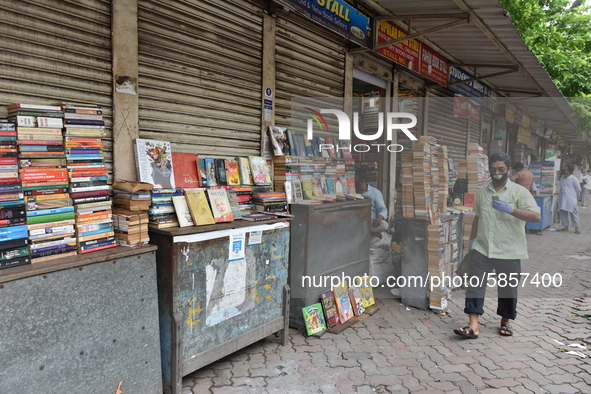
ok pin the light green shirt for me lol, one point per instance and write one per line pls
(500, 235)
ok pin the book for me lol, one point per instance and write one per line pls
(199, 207)
(244, 170)
(220, 171)
(232, 172)
(308, 147)
(15, 262)
(356, 302)
(330, 309)
(261, 173)
(202, 170)
(182, 211)
(314, 319)
(300, 146)
(220, 206)
(8, 254)
(342, 302)
(211, 173)
(233, 200)
(154, 162)
(278, 138)
(257, 217)
(366, 292)
(50, 218)
(185, 169)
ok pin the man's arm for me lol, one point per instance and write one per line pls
(526, 215)
(474, 230)
(380, 208)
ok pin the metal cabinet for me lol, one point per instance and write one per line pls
(81, 324)
(326, 240)
(211, 307)
(546, 204)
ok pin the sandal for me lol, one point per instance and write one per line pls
(506, 330)
(562, 229)
(466, 332)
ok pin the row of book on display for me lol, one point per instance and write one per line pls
(338, 305)
(312, 171)
(189, 190)
(54, 190)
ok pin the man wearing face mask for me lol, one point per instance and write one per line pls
(498, 232)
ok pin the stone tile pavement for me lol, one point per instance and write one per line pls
(400, 350)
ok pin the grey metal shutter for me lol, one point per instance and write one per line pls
(200, 73)
(474, 126)
(55, 52)
(449, 130)
(310, 62)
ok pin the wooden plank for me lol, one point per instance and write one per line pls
(176, 231)
(25, 271)
(370, 310)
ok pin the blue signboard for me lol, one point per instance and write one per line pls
(474, 89)
(348, 18)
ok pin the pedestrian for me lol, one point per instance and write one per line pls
(498, 237)
(570, 189)
(523, 177)
(586, 190)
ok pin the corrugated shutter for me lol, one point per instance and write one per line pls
(474, 126)
(55, 52)
(200, 72)
(449, 130)
(310, 62)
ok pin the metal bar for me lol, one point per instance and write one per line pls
(286, 306)
(482, 77)
(484, 65)
(177, 374)
(422, 33)
(424, 17)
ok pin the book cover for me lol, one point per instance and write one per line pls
(316, 146)
(299, 144)
(317, 187)
(202, 169)
(220, 172)
(257, 217)
(278, 137)
(307, 189)
(232, 172)
(211, 174)
(314, 319)
(260, 170)
(298, 193)
(330, 185)
(330, 148)
(233, 199)
(356, 302)
(469, 199)
(330, 309)
(342, 302)
(350, 185)
(345, 149)
(185, 169)
(154, 162)
(291, 142)
(199, 208)
(366, 292)
(132, 186)
(182, 211)
(220, 206)
(322, 147)
(308, 149)
(244, 170)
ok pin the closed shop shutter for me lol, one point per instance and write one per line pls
(310, 62)
(449, 130)
(474, 126)
(57, 52)
(200, 73)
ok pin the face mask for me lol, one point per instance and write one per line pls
(499, 178)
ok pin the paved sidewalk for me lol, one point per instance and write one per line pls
(400, 350)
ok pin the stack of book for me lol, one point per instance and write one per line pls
(406, 180)
(44, 178)
(434, 215)
(443, 178)
(477, 165)
(244, 198)
(270, 202)
(14, 249)
(162, 213)
(88, 177)
(422, 178)
(131, 203)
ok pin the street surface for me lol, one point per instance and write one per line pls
(400, 350)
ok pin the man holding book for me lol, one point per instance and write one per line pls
(498, 235)
(379, 212)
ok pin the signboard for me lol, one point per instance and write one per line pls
(406, 53)
(433, 65)
(533, 142)
(349, 18)
(510, 113)
(474, 89)
(523, 136)
(464, 107)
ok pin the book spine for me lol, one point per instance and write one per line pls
(15, 243)
(94, 249)
(85, 200)
(15, 262)
(63, 244)
(83, 111)
(92, 218)
(61, 251)
(95, 242)
(14, 253)
(51, 224)
(51, 218)
(90, 122)
(50, 211)
(12, 213)
(13, 221)
(52, 230)
(45, 191)
(92, 235)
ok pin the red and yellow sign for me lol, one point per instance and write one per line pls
(406, 53)
(433, 65)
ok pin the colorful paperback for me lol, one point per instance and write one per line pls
(314, 319)
(154, 162)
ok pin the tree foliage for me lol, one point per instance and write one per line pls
(559, 33)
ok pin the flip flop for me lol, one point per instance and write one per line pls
(467, 332)
(508, 330)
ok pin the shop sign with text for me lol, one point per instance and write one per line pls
(433, 65)
(473, 89)
(349, 18)
(406, 53)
